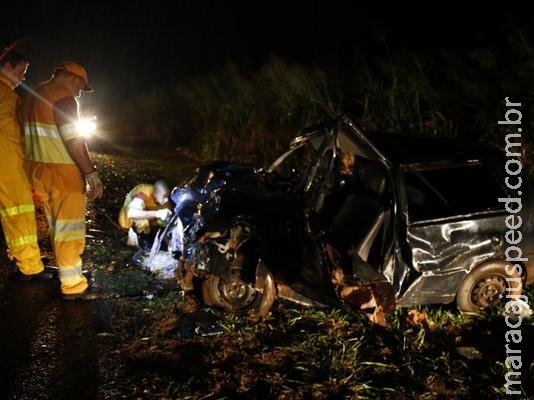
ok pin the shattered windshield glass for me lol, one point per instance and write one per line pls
(297, 161)
(310, 161)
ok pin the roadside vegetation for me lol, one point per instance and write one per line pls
(299, 353)
(250, 114)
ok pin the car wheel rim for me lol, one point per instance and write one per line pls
(487, 291)
(238, 295)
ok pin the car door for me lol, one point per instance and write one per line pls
(455, 222)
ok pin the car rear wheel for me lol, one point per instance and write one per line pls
(238, 296)
(487, 286)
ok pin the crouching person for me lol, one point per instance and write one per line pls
(145, 210)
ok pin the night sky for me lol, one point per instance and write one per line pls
(128, 47)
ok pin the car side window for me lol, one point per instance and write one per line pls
(443, 192)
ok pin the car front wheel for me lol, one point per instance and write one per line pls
(238, 296)
(486, 286)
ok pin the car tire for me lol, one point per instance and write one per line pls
(256, 299)
(485, 287)
(209, 290)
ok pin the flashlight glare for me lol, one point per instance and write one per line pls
(86, 126)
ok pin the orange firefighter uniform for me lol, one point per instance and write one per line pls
(17, 209)
(50, 113)
(145, 192)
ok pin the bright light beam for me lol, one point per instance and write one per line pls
(86, 126)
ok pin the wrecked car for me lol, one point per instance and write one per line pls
(368, 221)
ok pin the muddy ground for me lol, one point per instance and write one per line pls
(148, 340)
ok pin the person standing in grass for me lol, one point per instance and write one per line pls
(62, 171)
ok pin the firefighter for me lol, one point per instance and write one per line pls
(62, 171)
(146, 208)
(17, 209)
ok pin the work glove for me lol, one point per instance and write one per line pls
(163, 214)
(133, 240)
(94, 186)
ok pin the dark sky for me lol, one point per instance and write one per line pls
(128, 47)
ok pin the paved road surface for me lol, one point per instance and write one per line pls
(51, 348)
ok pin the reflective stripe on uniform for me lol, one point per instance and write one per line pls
(11, 211)
(44, 144)
(22, 241)
(71, 229)
(70, 271)
(40, 129)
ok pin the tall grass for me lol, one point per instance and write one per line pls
(235, 114)
(250, 115)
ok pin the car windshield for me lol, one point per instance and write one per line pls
(299, 157)
(312, 155)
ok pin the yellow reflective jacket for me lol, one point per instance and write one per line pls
(49, 159)
(145, 192)
(11, 139)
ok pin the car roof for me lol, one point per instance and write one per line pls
(411, 149)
